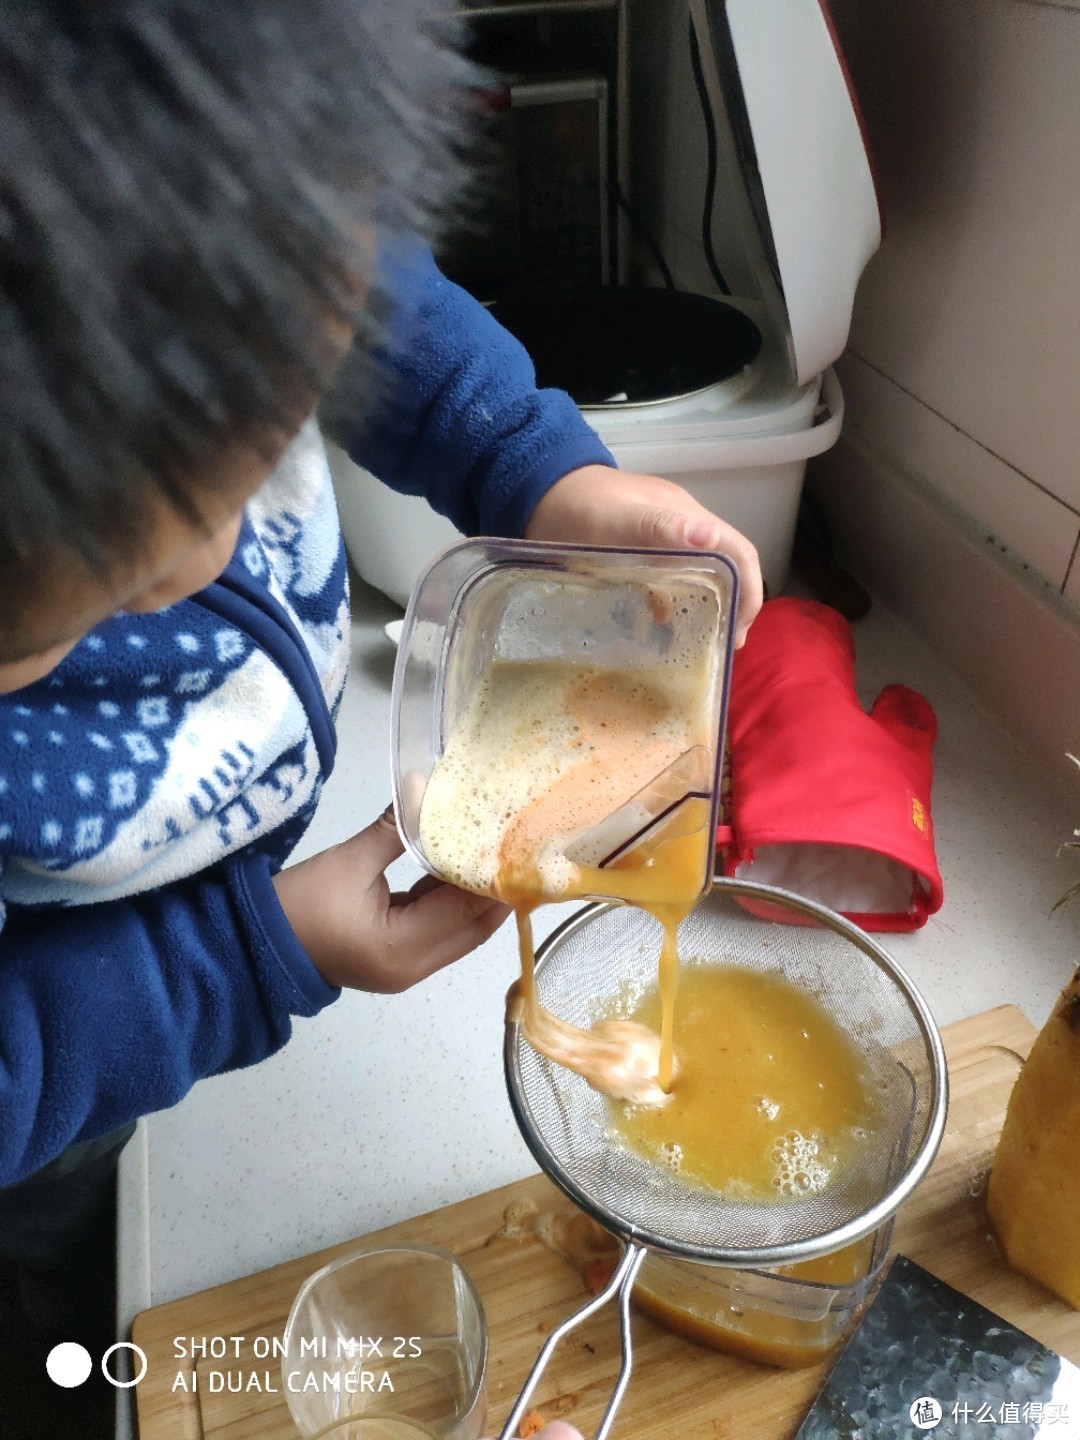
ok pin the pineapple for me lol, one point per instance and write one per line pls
(1033, 1197)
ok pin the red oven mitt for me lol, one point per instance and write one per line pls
(826, 800)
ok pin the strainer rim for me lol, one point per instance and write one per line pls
(748, 1257)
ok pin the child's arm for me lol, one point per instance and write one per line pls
(464, 424)
(111, 1011)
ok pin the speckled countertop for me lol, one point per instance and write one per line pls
(384, 1107)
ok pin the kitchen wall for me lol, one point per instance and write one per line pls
(965, 346)
(955, 489)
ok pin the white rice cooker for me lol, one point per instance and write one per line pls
(727, 397)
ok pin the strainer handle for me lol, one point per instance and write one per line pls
(621, 1283)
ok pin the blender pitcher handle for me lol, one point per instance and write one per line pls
(621, 1282)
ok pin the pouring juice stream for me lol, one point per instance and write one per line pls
(542, 752)
(623, 1058)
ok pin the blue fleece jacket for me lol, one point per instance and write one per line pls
(154, 782)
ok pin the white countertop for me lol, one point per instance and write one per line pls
(384, 1107)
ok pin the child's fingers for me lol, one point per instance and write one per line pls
(372, 850)
(438, 927)
(706, 532)
(414, 892)
(618, 507)
(384, 839)
(360, 935)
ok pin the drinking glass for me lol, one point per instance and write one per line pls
(376, 1427)
(384, 1334)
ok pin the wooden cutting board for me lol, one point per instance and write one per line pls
(678, 1390)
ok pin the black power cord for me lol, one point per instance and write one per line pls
(646, 235)
(712, 164)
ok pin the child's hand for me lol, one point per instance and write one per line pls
(600, 506)
(362, 935)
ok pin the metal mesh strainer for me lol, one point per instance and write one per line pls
(609, 951)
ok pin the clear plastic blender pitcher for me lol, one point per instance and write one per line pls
(658, 623)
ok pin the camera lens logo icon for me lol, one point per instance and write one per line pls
(69, 1365)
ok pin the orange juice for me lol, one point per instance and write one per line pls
(772, 1095)
(791, 1316)
(771, 1098)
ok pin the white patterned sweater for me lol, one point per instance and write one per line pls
(165, 742)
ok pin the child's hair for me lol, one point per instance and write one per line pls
(189, 194)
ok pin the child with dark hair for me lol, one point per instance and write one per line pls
(213, 217)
